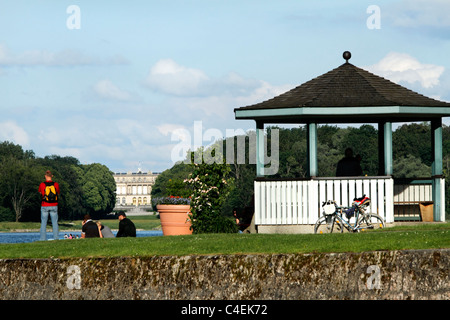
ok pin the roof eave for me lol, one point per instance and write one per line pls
(345, 114)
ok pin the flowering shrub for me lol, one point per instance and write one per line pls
(211, 185)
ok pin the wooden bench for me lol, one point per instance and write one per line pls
(413, 199)
(413, 211)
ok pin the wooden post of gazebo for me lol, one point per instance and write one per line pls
(312, 149)
(346, 94)
(436, 167)
(259, 149)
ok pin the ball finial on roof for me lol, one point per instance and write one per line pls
(347, 55)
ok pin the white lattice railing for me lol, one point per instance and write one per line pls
(291, 202)
(409, 193)
(414, 191)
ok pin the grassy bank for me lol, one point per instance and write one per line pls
(142, 222)
(399, 238)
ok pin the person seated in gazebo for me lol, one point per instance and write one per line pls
(348, 166)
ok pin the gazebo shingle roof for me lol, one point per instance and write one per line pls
(347, 86)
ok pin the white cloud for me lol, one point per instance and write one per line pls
(399, 67)
(201, 97)
(219, 106)
(10, 131)
(171, 78)
(4, 54)
(105, 141)
(106, 89)
(66, 152)
(420, 13)
(168, 77)
(68, 57)
(167, 128)
(146, 132)
(263, 92)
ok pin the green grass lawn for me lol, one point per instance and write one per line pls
(421, 236)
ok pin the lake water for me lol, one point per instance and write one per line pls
(21, 237)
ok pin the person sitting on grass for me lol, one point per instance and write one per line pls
(126, 226)
(89, 229)
(105, 231)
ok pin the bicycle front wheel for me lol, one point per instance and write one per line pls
(325, 225)
(371, 221)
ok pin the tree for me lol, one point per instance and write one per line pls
(66, 171)
(9, 149)
(98, 188)
(413, 139)
(410, 167)
(171, 182)
(19, 184)
(18, 189)
(292, 152)
(84, 189)
(364, 142)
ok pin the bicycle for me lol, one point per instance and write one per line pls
(333, 217)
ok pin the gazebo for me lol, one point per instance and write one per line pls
(346, 94)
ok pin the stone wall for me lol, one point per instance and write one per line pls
(419, 274)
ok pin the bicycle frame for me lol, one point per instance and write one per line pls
(333, 215)
(347, 224)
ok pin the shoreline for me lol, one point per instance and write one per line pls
(62, 231)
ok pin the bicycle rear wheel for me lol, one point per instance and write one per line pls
(326, 225)
(371, 221)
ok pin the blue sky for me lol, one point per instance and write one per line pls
(115, 89)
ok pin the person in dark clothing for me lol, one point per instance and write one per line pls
(89, 229)
(348, 166)
(126, 226)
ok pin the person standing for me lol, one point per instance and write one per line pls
(126, 226)
(49, 191)
(348, 166)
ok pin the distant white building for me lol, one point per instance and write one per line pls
(134, 188)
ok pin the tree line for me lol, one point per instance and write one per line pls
(85, 189)
(412, 158)
(90, 189)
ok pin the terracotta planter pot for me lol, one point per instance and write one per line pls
(174, 219)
